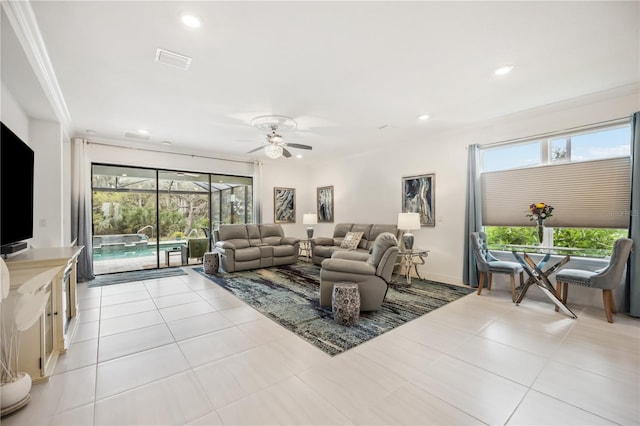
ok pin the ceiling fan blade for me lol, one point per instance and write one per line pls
(256, 149)
(300, 146)
(285, 152)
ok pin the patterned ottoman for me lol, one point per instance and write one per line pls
(211, 262)
(345, 303)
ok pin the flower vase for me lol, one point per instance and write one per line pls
(540, 233)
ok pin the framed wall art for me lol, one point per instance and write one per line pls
(325, 204)
(418, 196)
(284, 205)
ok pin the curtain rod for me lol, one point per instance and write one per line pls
(591, 126)
(172, 153)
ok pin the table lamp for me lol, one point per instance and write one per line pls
(309, 219)
(407, 222)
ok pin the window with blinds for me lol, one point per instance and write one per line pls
(585, 175)
(588, 194)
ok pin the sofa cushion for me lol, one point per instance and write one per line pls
(232, 232)
(249, 253)
(341, 230)
(351, 240)
(271, 234)
(253, 232)
(281, 251)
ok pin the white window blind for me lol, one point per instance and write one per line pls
(589, 194)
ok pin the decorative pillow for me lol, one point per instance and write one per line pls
(351, 240)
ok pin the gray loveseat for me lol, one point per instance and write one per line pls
(322, 247)
(243, 247)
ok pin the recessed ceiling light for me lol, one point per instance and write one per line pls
(299, 156)
(167, 143)
(191, 21)
(423, 117)
(143, 131)
(124, 175)
(503, 70)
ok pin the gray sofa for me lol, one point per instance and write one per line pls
(323, 248)
(243, 247)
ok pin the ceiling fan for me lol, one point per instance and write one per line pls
(275, 145)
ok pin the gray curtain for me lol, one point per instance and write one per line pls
(633, 275)
(473, 214)
(81, 207)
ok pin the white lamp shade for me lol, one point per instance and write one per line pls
(309, 219)
(408, 221)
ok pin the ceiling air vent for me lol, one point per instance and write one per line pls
(136, 135)
(173, 59)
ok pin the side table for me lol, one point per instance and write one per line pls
(411, 259)
(345, 303)
(305, 249)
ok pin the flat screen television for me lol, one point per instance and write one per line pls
(16, 191)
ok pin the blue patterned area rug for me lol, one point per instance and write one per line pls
(125, 277)
(290, 296)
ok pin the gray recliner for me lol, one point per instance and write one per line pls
(371, 272)
(605, 279)
(488, 265)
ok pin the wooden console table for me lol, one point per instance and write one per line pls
(52, 334)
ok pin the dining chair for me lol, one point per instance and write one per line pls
(488, 264)
(605, 279)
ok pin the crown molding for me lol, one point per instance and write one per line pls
(25, 26)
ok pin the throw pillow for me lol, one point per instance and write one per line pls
(351, 240)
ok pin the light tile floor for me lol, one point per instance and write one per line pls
(183, 351)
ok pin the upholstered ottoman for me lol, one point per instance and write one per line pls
(345, 303)
(211, 262)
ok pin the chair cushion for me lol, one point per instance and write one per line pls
(351, 240)
(575, 276)
(505, 267)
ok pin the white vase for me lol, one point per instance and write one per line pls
(14, 392)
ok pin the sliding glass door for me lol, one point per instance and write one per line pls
(149, 218)
(183, 209)
(124, 218)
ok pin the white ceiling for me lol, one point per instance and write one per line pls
(340, 69)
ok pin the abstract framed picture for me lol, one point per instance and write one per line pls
(284, 205)
(325, 204)
(419, 196)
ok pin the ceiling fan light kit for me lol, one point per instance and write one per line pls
(275, 146)
(273, 151)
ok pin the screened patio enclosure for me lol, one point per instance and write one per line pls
(145, 218)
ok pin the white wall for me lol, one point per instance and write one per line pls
(48, 208)
(12, 115)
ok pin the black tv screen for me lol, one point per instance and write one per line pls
(16, 188)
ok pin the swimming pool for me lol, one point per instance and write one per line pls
(132, 251)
